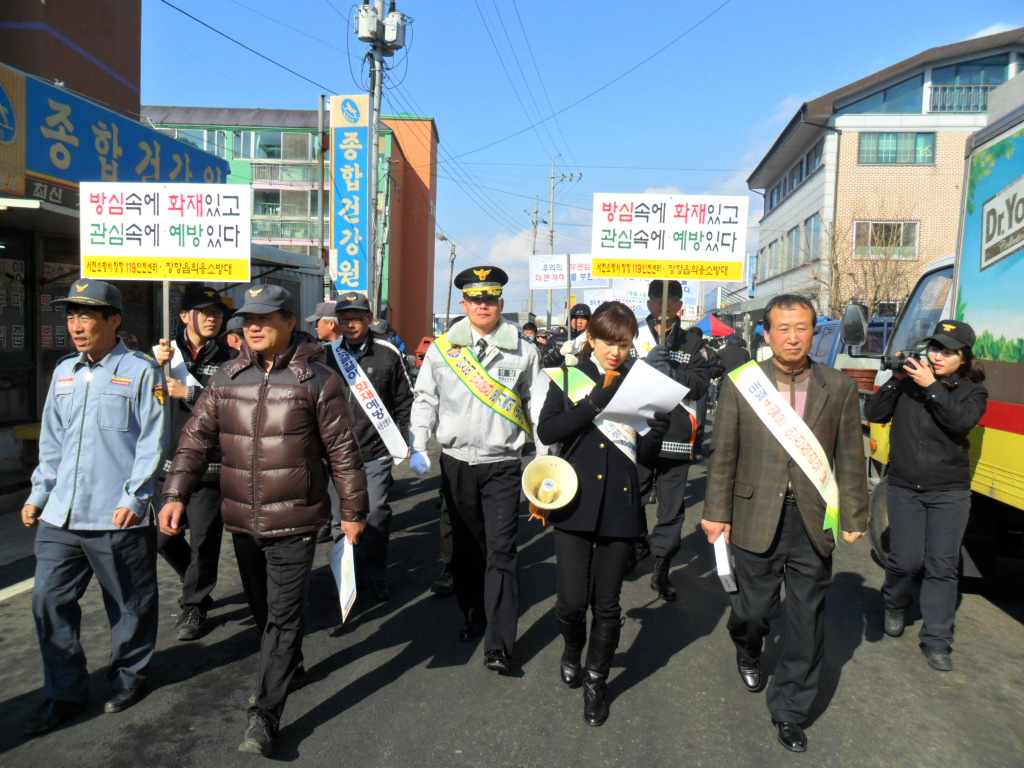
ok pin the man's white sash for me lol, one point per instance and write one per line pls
(793, 434)
(370, 402)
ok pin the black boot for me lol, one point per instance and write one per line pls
(659, 579)
(604, 638)
(574, 633)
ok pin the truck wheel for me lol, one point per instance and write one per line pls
(878, 521)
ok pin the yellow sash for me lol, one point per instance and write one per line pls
(491, 393)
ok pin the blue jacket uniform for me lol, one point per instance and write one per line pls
(101, 441)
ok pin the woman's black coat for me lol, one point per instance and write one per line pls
(608, 502)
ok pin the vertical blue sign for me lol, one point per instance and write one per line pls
(350, 192)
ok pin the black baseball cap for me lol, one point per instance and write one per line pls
(200, 296)
(352, 300)
(381, 326)
(953, 334)
(235, 325)
(93, 293)
(580, 310)
(656, 289)
(263, 299)
(323, 309)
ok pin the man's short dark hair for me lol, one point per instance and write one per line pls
(788, 301)
(287, 314)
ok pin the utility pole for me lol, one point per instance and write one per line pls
(321, 213)
(451, 279)
(555, 181)
(533, 250)
(385, 34)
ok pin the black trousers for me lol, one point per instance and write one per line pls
(671, 491)
(275, 578)
(124, 562)
(759, 577)
(483, 500)
(926, 528)
(590, 571)
(445, 527)
(195, 560)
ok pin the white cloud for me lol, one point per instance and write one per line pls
(995, 29)
(663, 191)
(782, 114)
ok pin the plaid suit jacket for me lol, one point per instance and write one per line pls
(749, 470)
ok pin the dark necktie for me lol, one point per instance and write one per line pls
(481, 348)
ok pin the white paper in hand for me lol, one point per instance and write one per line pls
(343, 567)
(642, 393)
(725, 572)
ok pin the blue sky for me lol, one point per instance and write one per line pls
(695, 118)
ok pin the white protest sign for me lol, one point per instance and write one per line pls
(548, 272)
(678, 237)
(178, 232)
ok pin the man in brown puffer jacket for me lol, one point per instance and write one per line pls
(281, 423)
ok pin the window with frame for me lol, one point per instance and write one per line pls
(903, 98)
(793, 247)
(812, 238)
(885, 240)
(896, 149)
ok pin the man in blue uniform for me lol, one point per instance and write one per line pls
(99, 451)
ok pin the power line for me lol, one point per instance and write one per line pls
(251, 50)
(601, 88)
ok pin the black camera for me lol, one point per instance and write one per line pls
(898, 361)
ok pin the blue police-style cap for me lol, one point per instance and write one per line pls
(93, 293)
(264, 299)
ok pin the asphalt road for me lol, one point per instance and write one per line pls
(395, 687)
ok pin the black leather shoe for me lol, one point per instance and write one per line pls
(471, 630)
(51, 714)
(894, 622)
(381, 590)
(191, 624)
(121, 700)
(792, 736)
(938, 658)
(258, 739)
(499, 661)
(750, 674)
(444, 586)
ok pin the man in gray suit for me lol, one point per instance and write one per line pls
(773, 515)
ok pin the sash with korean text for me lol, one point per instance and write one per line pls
(622, 436)
(792, 433)
(370, 402)
(495, 395)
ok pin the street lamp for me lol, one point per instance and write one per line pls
(451, 278)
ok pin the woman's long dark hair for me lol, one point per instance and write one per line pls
(971, 368)
(612, 320)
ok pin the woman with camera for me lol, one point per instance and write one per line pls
(933, 404)
(594, 533)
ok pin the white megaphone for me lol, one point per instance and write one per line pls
(550, 482)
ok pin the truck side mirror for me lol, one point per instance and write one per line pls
(855, 325)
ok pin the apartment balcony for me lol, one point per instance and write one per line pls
(288, 175)
(959, 98)
(276, 230)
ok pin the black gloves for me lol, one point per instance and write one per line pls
(601, 396)
(658, 358)
(658, 424)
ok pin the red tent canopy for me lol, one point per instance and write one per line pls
(712, 326)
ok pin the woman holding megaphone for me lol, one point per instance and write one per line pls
(595, 530)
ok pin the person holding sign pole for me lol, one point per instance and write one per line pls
(682, 355)
(594, 533)
(475, 388)
(379, 394)
(194, 355)
(786, 473)
(278, 417)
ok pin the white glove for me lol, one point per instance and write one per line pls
(568, 347)
(419, 463)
